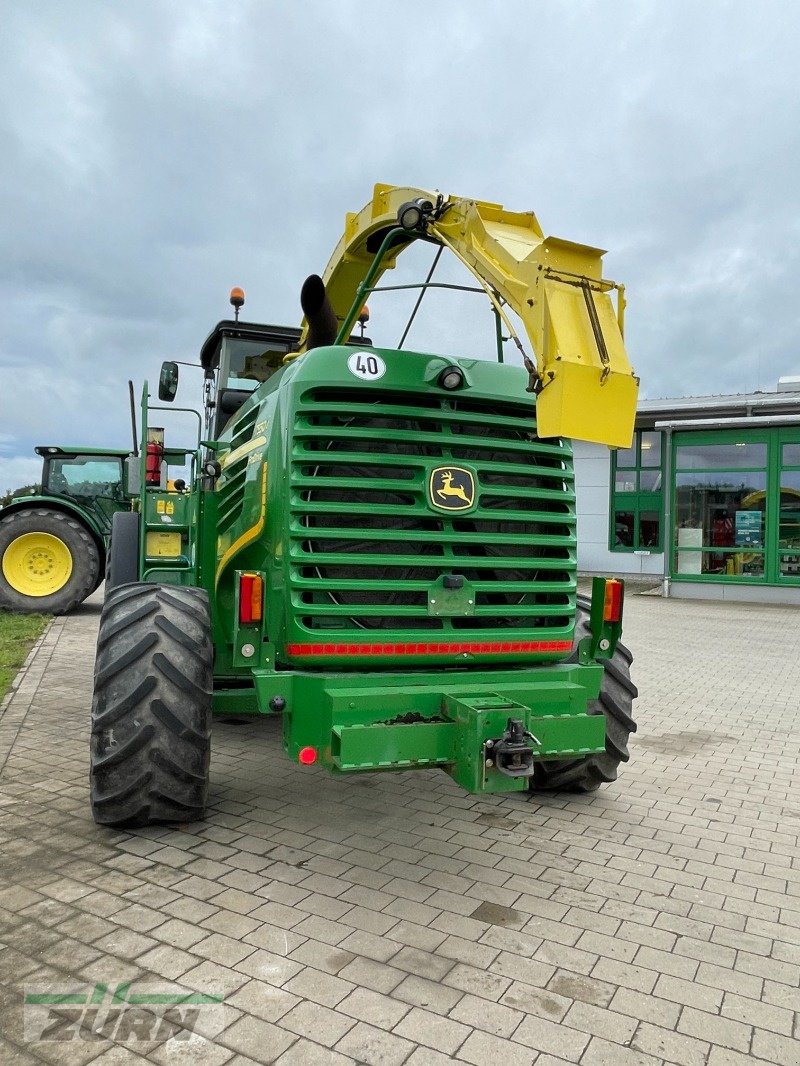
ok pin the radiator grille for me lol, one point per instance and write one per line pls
(366, 546)
(230, 486)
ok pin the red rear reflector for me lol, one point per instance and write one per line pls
(612, 602)
(251, 598)
(307, 756)
(472, 647)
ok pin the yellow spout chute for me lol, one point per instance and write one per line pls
(587, 388)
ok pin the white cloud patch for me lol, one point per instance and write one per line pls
(155, 154)
(17, 471)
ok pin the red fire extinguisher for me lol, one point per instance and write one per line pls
(154, 456)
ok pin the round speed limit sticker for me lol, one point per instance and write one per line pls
(366, 365)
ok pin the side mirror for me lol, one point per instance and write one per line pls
(168, 382)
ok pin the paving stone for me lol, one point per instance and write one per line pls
(556, 1039)
(168, 962)
(602, 1053)
(260, 1040)
(576, 986)
(437, 1032)
(671, 1046)
(375, 1047)
(691, 993)
(371, 974)
(539, 1002)
(326, 1026)
(483, 1049)
(394, 918)
(646, 1008)
(187, 1053)
(785, 1051)
(179, 934)
(425, 1056)
(600, 1021)
(374, 1008)
(422, 963)
(361, 942)
(318, 986)
(716, 1029)
(306, 1053)
(494, 1018)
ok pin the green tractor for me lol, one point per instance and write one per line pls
(377, 545)
(53, 544)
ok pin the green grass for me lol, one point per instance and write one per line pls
(18, 632)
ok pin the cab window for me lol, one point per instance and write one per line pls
(85, 475)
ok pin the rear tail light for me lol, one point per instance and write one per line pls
(251, 598)
(612, 601)
(307, 756)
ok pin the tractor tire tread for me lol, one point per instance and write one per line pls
(151, 725)
(615, 703)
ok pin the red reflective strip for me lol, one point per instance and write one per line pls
(433, 648)
(246, 582)
(612, 602)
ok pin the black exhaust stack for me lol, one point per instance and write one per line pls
(322, 322)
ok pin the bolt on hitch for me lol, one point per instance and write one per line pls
(512, 753)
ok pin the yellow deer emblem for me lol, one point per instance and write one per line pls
(451, 488)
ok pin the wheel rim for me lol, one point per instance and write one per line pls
(37, 564)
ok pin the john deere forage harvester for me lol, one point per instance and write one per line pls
(378, 545)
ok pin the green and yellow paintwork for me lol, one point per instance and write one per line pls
(556, 287)
(389, 699)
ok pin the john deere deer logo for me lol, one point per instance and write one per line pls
(451, 488)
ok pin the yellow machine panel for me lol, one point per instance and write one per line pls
(163, 545)
(586, 386)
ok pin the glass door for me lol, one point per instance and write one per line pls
(720, 505)
(786, 532)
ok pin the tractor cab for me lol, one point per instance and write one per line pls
(89, 476)
(239, 356)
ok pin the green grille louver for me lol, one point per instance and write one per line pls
(230, 486)
(366, 546)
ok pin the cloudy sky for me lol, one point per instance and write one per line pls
(156, 153)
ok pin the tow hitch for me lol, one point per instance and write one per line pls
(512, 753)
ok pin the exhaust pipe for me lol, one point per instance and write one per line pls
(323, 325)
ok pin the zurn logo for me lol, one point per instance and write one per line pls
(120, 1013)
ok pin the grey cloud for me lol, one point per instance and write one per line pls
(155, 154)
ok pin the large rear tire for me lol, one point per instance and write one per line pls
(49, 561)
(617, 694)
(151, 713)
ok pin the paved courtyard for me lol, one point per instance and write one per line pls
(395, 920)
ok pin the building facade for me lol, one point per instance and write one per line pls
(706, 501)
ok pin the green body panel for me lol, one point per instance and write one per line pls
(440, 718)
(260, 495)
(406, 621)
(87, 515)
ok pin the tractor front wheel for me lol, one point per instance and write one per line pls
(49, 562)
(615, 702)
(151, 712)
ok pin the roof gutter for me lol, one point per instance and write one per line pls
(729, 423)
(744, 403)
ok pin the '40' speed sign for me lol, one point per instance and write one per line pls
(366, 365)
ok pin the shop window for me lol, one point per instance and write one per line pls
(637, 502)
(720, 509)
(789, 514)
(738, 455)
